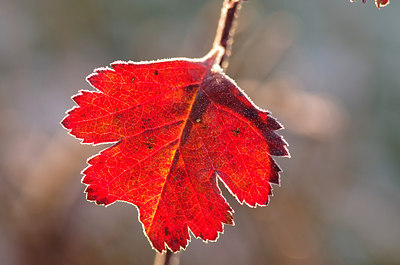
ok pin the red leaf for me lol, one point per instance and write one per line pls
(378, 3)
(177, 125)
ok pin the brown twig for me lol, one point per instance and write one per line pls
(226, 28)
(167, 258)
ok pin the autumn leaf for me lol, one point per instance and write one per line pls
(378, 3)
(177, 126)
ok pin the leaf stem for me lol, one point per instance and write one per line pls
(167, 258)
(226, 28)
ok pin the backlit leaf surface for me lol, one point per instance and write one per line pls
(177, 125)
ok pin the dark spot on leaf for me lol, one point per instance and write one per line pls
(190, 88)
(118, 116)
(149, 146)
(237, 131)
(155, 72)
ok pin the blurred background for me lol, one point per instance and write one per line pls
(328, 70)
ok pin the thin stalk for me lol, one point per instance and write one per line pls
(226, 28)
(167, 258)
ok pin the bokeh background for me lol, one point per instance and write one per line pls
(328, 70)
